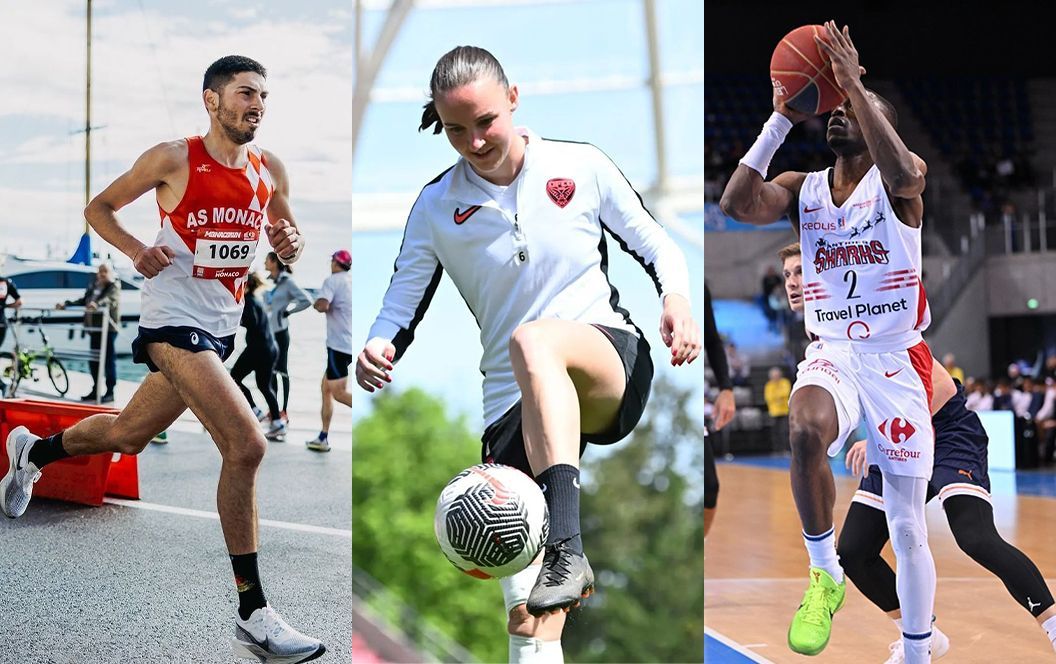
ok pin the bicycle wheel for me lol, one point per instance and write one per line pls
(10, 374)
(57, 374)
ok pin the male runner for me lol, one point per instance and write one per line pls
(960, 481)
(335, 300)
(859, 224)
(213, 193)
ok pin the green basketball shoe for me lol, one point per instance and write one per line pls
(809, 632)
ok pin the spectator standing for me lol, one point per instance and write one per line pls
(102, 313)
(777, 392)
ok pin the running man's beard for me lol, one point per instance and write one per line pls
(228, 121)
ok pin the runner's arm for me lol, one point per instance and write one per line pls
(151, 170)
(283, 234)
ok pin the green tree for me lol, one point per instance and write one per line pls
(642, 518)
(404, 453)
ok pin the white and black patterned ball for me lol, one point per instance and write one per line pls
(491, 521)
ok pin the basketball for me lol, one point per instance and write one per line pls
(802, 74)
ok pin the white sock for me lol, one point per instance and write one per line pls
(1050, 628)
(822, 551)
(528, 650)
(918, 651)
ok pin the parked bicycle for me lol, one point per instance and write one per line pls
(19, 365)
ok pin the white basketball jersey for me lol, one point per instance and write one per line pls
(861, 267)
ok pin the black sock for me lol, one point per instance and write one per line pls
(46, 450)
(560, 485)
(247, 581)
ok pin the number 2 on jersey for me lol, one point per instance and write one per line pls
(851, 276)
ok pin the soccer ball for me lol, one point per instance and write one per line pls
(491, 521)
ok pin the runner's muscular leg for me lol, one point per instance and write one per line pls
(327, 412)
(572, 380)
(155, 405)
(211, 394)
(813, 425)
(339, 391)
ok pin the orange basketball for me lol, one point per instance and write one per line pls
(802, 74)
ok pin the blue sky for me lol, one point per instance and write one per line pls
(149, 56)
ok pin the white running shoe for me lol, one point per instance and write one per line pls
(17, 486)
(317, 445)
(266, 637)
(275, 430)
(940, 645)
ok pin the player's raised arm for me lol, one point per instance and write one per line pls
(748, 197)
(902, 171)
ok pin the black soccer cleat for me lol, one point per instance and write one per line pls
(565, 579)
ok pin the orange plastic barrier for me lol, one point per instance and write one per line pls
(83, 479)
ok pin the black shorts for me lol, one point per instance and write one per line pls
(182, 336)
(337, 364)
(503, 441)
(960, 457)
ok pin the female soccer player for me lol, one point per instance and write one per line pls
(519, 223)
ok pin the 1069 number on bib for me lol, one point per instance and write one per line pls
(224, 253)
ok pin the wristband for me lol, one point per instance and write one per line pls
(770, 139)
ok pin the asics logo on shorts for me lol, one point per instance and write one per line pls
(194, 338)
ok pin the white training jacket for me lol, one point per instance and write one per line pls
(549, 260)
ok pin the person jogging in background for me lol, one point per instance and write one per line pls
(283, 300)
(335, 300)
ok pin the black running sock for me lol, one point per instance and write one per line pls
(247, 581)
(560, 485)
(46, 450)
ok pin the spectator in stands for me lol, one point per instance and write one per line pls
(1002, 399)
(1022, 399)
(777, 392)
(1049, 372)
(739, 365)
(979, 399)
(950, 362)
(1015, 375)
(1046, 421)
(772, 286)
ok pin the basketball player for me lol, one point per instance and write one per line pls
(725, 407)
(960, 481)
(213, 194)
(519, 223)
(859, 224)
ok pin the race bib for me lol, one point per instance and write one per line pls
(222, 254)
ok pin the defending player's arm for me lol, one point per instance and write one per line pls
(748, 197)
(622, 213)
(902, 171)
(724, 404)
(153, 169)
(283, 234)
(414, 281)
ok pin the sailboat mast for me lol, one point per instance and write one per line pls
(88, 117)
